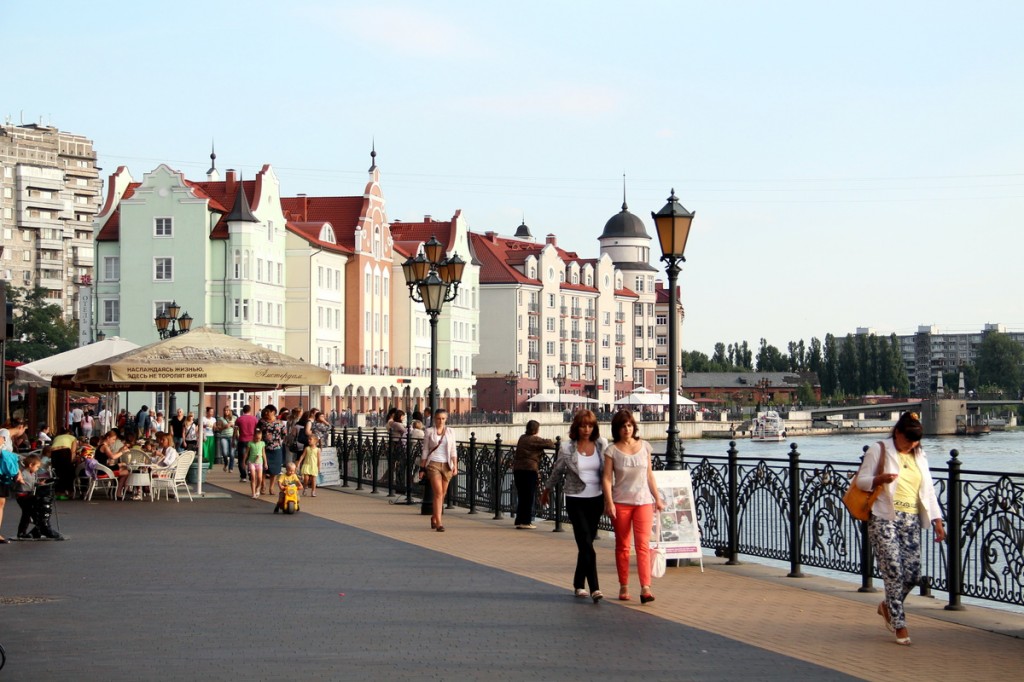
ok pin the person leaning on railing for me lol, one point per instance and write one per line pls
(526, 471)
(907, 502)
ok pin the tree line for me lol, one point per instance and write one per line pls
(866, 364)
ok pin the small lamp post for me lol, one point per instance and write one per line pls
(168, 324)
(512, 380)
(433, 280)
(673, 225)
(560, 381)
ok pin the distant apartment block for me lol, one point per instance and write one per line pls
(49, 197)
(931, 352)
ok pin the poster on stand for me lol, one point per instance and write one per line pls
(680, 534)
(330, 474)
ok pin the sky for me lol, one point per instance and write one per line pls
(850, 164)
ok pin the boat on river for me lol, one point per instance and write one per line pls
(971, 424)
(768, 428)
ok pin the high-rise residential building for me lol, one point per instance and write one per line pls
(930, 352)
(49, 196)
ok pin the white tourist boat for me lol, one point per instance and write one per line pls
(768, 428)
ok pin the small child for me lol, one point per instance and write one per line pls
(309, 465)
(285, 480)
(256, 463)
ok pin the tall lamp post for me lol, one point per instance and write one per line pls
(512, 380)
(673, 224)
(433, 280)
(560, 381)
(168, 325)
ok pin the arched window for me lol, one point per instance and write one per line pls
(376, 242)
(237, 265)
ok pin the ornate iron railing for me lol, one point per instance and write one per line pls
(787, 509)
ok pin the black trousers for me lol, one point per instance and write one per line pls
(526, 492)
(584, 514)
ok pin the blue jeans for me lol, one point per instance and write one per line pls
(224, 452)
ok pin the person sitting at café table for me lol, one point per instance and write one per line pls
(112, 457)
(166, 455)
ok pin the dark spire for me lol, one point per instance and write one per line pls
(624, 207)
(213, 159)
(241, 211)
(373, 154)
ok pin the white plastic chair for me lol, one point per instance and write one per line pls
(177, 479)
(79, 485)
(109, 483)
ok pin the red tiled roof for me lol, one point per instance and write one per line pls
(111, 230)
(418, 232)
(343, 213)
(221, 200)
(310, 231)
(577, 287)
(628, 293)
(494, 260)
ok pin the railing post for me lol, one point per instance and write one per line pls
(408, 467)
(558, 493)
(954, 502)
(496, 479)
(374, 462)
(471, 472)
(343, 452)
(734, 522)
(360, 455)
(390, 464)
(795, 538)
(867, 558)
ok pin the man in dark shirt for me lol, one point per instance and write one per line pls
(178, 429)
(526, 471)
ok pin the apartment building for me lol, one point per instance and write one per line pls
(49, 196)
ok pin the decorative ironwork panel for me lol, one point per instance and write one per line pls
(711, 498)
(993, 539)
(829, 536)
(763, 499)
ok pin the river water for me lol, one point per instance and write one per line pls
(1000, 451)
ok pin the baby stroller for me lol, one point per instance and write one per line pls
(41, 510)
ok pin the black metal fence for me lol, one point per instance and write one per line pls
(786, 509)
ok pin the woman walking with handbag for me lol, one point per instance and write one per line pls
(579, 464)
(906, 502)
(630, 498)
(439, 464)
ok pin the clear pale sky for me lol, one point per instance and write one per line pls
(850, 164)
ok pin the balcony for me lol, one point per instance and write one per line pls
(577, 335)
(533, 308)
(533, 331)
(84, 258)
(591, 312)
(577, 311)
(591, 359)
(577, 358)
(591, 336)
(619, 361)
(620, 339)
(563, 357)
(564, 310)
(620, 317)
(51, 283)
(533, 356)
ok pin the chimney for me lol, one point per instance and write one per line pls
(230, 181)
(491, 236)
(550, 239)
(427, 218)
(305, 207)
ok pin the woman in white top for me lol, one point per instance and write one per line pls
(440, 462)
(579, 465)
(630, 496)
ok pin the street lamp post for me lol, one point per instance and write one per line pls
(560, 381)
(433, 280)
(512, 380)
(169, 325)
(673, 224)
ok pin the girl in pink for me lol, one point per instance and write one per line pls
(309, 465)
(630, 497)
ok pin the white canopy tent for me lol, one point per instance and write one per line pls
(41, 372)
(680, 398)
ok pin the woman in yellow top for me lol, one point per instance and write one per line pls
(906, 503)
(309, 465)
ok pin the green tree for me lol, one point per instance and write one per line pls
(695, 361)
(999, 363)
(900, 381)
(805, 394)
(771, 359)
(39, 327)
(814, 359)
(849, 371)
(719, 357)
(830, 362)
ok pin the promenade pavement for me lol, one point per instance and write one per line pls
(356, 588)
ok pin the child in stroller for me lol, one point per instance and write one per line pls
(36, 501)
